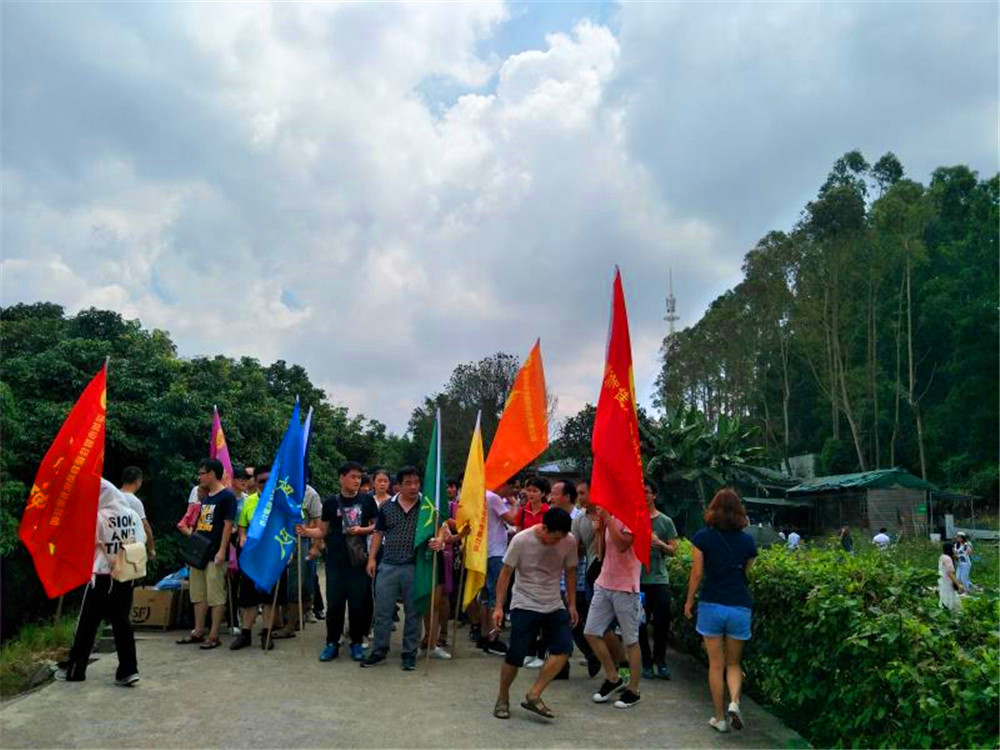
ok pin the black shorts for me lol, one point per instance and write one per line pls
(251, 596)
(525, 625)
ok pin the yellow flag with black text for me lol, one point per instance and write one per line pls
(471, 514)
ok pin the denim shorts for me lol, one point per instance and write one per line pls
(715, 620)
(488, 595)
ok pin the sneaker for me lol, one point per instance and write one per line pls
(311, 617)
(647, 673)
(533, 662)
(627, 699)
(357, 652)
(663, 672)
(409, 662)
(475, 633)
(719, 725)
(608, 688)
(373, 659)
(127, 681)
(439, 653)
(319, 615)
(63, 676)
(330, 652)
(243, 640)
(735, 717)
(495, 647)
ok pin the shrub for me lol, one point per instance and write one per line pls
(855, 651)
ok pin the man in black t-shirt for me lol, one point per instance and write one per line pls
(215, 521)
(348, 518)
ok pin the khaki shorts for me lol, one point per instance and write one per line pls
(209, 585)
(606, 606)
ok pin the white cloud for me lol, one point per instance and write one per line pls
(183, 153)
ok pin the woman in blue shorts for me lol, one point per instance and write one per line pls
(721, 555)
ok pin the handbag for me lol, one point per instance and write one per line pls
(130, 562)
(198, 551)
(357, 551)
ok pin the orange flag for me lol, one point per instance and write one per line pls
(523, 432)
(59, 525)
(616, 481)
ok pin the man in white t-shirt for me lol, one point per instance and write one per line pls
(104, 597)
(132, 483)
(793, 540)
(881, 539)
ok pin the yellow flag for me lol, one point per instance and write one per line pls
(472, 514)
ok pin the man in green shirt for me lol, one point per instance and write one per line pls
(655, 588)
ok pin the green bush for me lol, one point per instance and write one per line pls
(855, 651)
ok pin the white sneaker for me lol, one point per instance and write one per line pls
(439, 653)
(719, 725)
(533, 663)
(735, 717)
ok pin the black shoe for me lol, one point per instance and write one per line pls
(264, 642)
(608, 688)
(409, 662)
(475, 633)
(373, 659)
(128, 680)
(593, 667)
(627, 699)
(243, 640)
(495, 647)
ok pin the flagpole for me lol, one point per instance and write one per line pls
(274, 607)
(459, 601)
(433, 605)
(59, 608)
(302, 624)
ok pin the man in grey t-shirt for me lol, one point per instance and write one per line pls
(540, 555)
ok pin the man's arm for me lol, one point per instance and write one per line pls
(150, 542)
(574, 618)
(619, 537)
(503, 581)
(373, 553)
(313, 532)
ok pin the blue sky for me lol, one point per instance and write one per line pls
(388, 190)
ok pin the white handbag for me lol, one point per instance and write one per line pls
(130, 562)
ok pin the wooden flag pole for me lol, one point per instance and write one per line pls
(302, 624)
(274, 607)
(434, 575)
(59, 608)
(459, 601)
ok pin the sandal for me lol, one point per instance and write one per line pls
(537, 706)
(502, 709)
(210, 644)
(191, 638)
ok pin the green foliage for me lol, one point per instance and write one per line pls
(855, 651)
(867, 331)
(23, 657)
(159, 418)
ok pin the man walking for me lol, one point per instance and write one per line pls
(541, 555)
(498, 513)
(616, 595)
(395, 529)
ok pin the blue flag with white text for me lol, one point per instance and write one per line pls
(271, 535)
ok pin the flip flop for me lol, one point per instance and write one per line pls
(501, 710)
(191, 638)
(537, 706)
(210, 644)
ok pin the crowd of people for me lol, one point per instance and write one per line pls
(562, 573)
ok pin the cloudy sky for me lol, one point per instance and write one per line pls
(381, 191)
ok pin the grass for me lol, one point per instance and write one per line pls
(23, 656)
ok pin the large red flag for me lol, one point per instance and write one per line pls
(60, 521)
(616, 481)
(523, 432)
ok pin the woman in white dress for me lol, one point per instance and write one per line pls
(948, 584)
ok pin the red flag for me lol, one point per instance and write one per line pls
(59, 524)
(523, 432)
(616, 481)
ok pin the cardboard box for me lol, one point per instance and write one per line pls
(154, 609)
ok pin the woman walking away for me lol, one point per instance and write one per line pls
(948, 583)
(963, 554)
(721, 555)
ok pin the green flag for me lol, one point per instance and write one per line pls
(433, 497)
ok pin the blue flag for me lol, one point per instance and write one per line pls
(271, 535)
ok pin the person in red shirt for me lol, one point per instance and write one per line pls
(532, 511)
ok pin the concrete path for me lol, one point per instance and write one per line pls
(252, 699)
